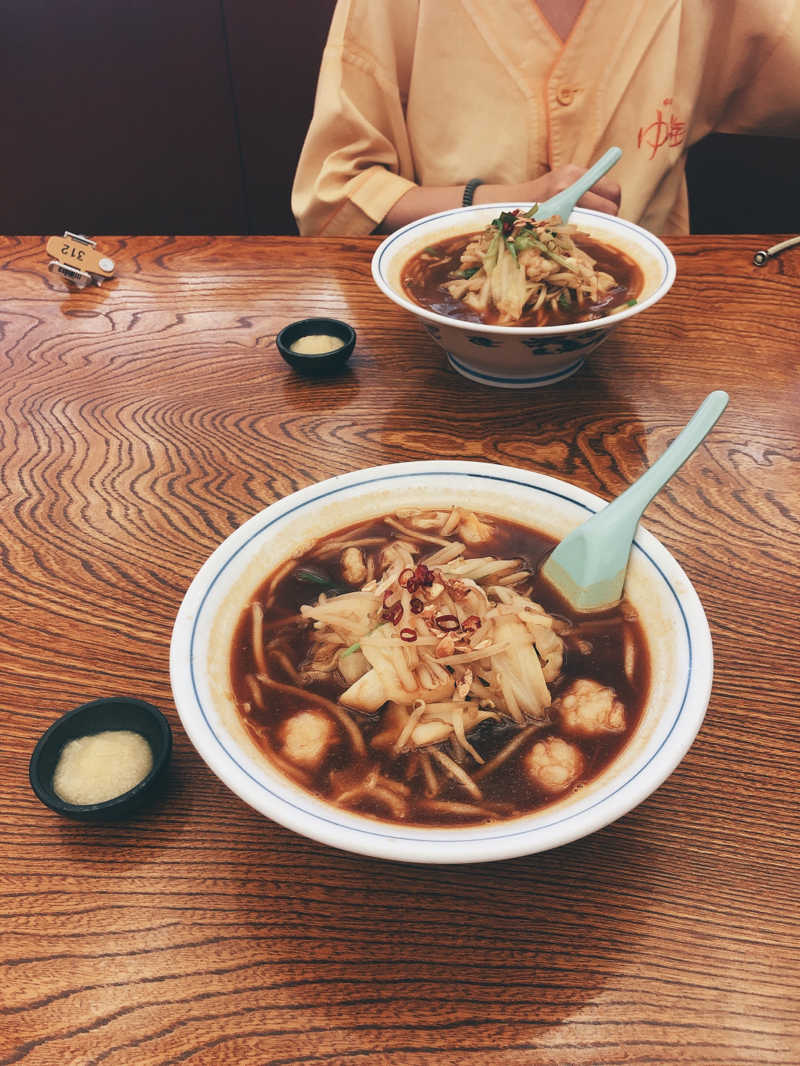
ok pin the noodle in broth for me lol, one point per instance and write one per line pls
(412, 670)
(523, 272)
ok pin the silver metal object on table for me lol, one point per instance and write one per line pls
(761, 257)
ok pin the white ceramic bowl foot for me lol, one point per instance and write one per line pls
(535, 381)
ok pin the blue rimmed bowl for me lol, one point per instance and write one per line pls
(520, 357)
(669, 609)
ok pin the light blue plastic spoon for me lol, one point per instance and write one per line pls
(563, 203)
(588, 567)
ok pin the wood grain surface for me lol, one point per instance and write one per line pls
(141, 423)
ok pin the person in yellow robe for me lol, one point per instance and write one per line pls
(416, 98)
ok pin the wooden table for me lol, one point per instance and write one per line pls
(144, 421)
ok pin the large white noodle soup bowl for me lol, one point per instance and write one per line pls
(519, 357)
(670, 611)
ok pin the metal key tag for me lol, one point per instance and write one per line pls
(77, 259)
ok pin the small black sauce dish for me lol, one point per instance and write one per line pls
(114, 713)
(325, 363)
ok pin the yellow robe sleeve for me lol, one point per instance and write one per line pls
(356, 162)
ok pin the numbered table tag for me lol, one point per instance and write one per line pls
(77, 259)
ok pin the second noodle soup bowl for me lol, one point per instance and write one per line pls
(519, 357)
(670, 613)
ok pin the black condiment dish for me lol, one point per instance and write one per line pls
(113, 713)
(325, 363)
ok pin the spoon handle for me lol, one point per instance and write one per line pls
(588, 567)
(563, 203)
(596, 172)
(632, 502)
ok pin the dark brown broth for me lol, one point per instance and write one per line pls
(509, 790)
(423, 281)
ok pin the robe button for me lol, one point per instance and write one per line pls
(565, 96)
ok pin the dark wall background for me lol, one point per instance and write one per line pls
(187, 116)
(741, 184)
(155, 116)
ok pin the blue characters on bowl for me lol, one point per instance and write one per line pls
(565, 342)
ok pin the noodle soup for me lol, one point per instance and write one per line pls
(412, 669)
(535, 274)
(428, 279)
